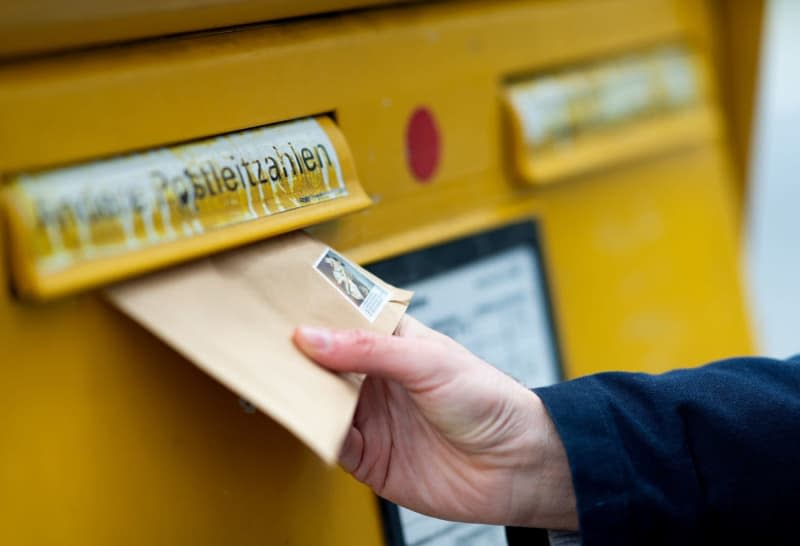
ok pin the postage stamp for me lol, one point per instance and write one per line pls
(368, 297)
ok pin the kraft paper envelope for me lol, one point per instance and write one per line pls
(233, 315)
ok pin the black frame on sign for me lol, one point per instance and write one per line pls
(428, 262)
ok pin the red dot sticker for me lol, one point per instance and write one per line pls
(423, 144)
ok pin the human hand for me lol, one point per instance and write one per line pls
(443, 433)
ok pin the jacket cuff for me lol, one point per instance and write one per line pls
(580, 411)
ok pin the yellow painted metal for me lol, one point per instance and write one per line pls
(110, 437)
(739, 30)
(732, 40)
(36, 26)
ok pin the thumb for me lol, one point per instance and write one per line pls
(410, 361)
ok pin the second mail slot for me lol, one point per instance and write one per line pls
(592, 117)
(87, 224)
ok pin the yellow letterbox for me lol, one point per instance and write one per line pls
(456, 118)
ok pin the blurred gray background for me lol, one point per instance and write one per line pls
(773, 232)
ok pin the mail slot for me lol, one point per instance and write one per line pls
(566, 164)
(610, 111)
(96, 222)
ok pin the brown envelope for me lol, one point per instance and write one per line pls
(233, 315)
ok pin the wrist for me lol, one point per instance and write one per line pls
(548, 498)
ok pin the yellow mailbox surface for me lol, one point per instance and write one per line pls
(33, 26)
(109, 437)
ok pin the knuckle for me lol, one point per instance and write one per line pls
(362, 344)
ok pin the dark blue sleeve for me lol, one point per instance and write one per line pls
(708, 455)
